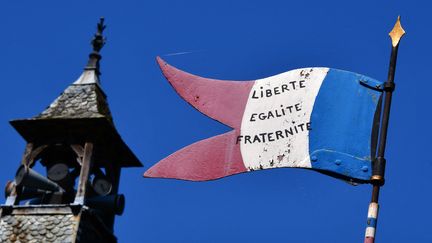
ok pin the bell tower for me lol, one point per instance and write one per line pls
(74, 197)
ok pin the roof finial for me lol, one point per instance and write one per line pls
(98, 42)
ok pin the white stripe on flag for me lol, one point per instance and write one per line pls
(275, 105)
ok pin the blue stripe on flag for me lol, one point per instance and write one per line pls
(341, 122)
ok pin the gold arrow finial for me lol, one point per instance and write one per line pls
(397, 32)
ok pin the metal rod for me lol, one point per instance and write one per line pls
(377, 178)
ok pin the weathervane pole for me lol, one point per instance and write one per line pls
(377, 179)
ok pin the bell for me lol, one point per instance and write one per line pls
(27, 177)
(109, 204)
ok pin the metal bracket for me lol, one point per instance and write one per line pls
(372, 84)
(389, 86)
(378, 169)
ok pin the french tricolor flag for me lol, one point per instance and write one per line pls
(315, 118)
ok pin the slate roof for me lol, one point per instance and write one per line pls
(42, 228)
(84, 98)
(78, 101)
(52, 223)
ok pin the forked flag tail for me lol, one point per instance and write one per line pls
(221, 100)
(315, 118)
(224, 101)
(197, 162)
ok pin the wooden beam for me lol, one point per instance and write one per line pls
(84, 174)
(35, 153)
(27, 153)
(79, 151)
(12, 197)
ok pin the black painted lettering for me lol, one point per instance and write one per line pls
(277, 113)
(301, 83)
(239, 139)
(279, 135)
(301, 126)
(290, 132)
(254, 95)
(270, 137)
(289, 108)
(256, 139)
(268, 93)
(263, 137)
(262, 116)
(270, 115)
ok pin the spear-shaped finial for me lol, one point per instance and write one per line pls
(98, 42)
(397, 32)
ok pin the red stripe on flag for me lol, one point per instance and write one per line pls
(222, 100)
(208, 159)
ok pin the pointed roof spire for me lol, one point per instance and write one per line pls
(85, 97)
(92, 70)
(81, 112)
(98, 42)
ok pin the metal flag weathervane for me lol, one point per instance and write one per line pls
(302, 118)
(316, 118)
(377, 179)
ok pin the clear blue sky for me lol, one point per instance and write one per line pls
(44, 46)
